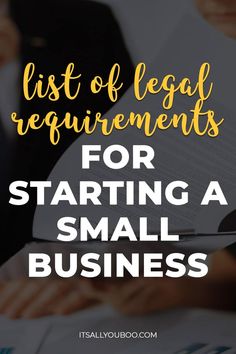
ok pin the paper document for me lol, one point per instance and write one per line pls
(195, 160)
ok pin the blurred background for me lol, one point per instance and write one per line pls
(51, 33)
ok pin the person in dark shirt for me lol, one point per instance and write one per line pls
(52, 34)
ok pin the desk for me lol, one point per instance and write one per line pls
(178, 331)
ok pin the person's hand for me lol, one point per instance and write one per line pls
(147, 295)
(219, 13)
(138, 296)
(41, 297)
(9, 40)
